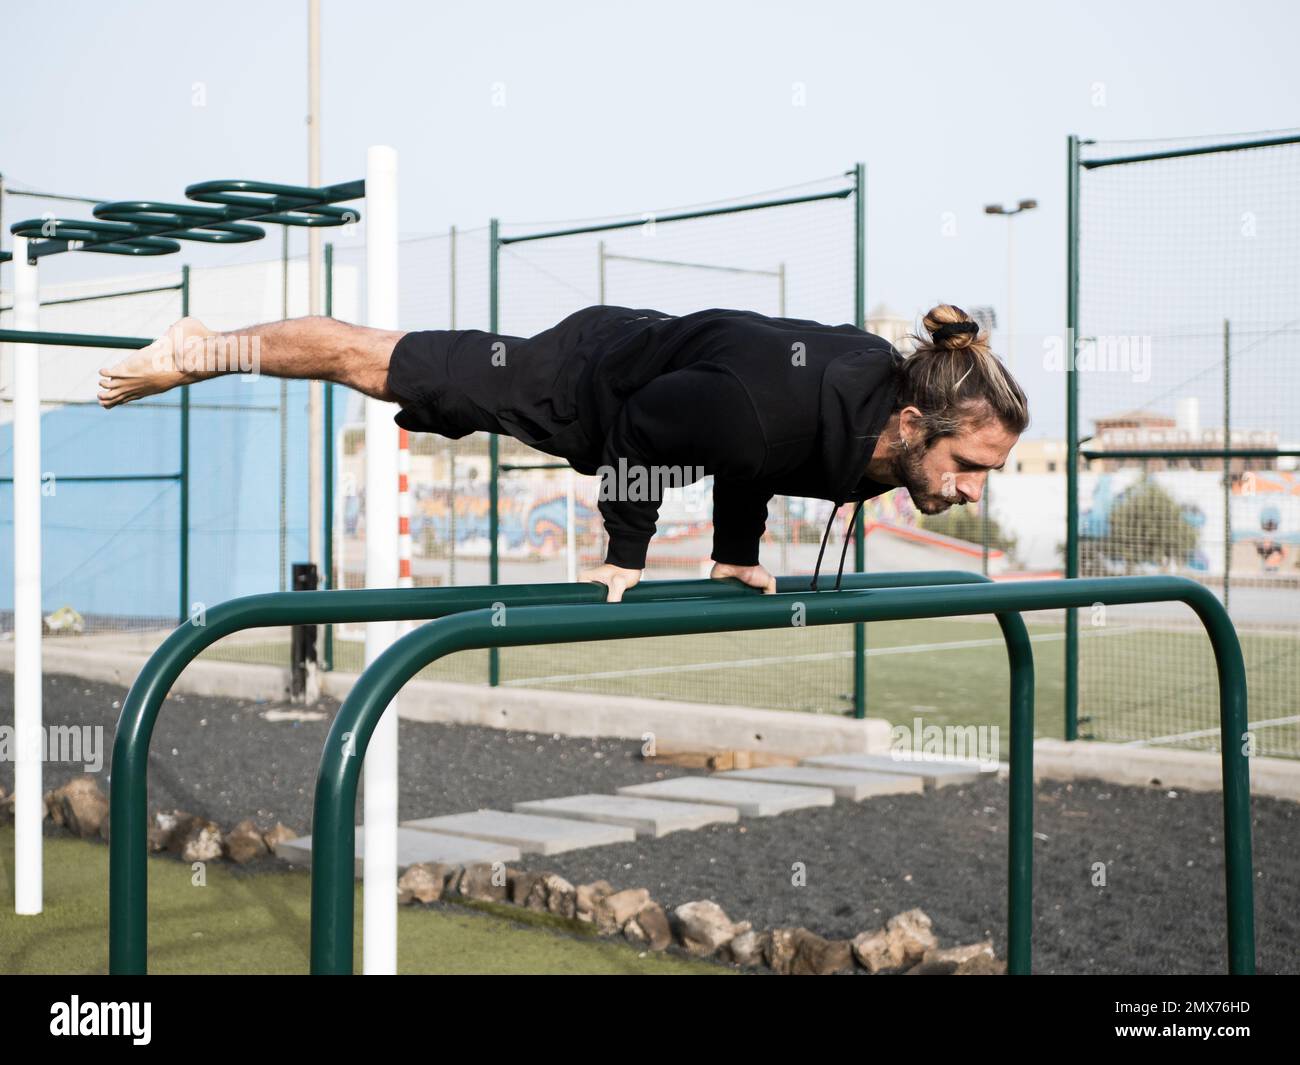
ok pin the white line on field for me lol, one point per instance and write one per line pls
(1202, 733)
(820, 656)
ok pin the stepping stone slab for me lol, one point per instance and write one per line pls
(935, 774)
(750, 798)
(414, 846)
(852, 784)
(647, 817)
(531, 833)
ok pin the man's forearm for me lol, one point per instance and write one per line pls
(739, 520)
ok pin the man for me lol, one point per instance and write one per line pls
(766, 406)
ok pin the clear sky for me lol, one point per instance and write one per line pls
(626, 107)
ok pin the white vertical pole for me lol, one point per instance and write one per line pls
(316, 442)
(28, 815)
(379, 925)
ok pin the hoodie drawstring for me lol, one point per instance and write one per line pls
(839, 576)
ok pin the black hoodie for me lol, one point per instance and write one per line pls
(768, 406)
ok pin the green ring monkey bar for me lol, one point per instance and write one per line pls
(145, 227)
(128, 866)
(334, 831)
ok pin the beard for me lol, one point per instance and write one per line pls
(909, 471)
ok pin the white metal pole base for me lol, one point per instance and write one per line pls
(28, 803)
(379, 802)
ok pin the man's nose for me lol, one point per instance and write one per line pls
(971, 486)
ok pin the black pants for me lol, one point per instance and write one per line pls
(457, 381)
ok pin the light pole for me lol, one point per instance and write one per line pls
(1008, 213)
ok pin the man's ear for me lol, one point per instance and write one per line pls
(909, 426)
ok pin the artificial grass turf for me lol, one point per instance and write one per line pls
(257, 922)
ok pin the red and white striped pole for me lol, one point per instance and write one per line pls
(404, 512)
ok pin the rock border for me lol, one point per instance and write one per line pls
(904, 944)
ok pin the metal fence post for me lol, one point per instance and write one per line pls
(184, 580)
(494, 455)
(860, 525)
(1072, 433)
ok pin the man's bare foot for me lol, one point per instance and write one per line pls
(159, 367)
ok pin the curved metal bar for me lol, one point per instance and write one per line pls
(334, 831)
(180, 221)
(290, 205)
(322, 215)
(260, 194)
(128, 853)
(152, 213)
(102, 236)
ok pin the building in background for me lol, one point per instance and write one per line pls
(1037, 456)
(1141, 430)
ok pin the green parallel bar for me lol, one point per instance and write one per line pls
(71, 340)
(128, 868)
(494, 453)
(860, 524)
(327, 508)
(184, 579)
(1072, 433)
(334, 831)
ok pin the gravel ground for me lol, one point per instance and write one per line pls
(1160, 911)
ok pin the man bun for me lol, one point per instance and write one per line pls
(952, 329)
(954, 379)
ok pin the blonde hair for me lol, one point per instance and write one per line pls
(953, 378)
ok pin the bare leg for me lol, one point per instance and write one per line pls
(317, 348)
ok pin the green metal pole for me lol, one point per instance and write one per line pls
(327, 507)
(183, 580)
(1227, 463)
(984, 523)
(859, 526)
(1072, 433)
(284, 419)
(494, 473)
(72, 340)
(1020, 844)
(128, 854)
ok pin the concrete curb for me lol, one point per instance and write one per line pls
(692, 726)
(1277, 778)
